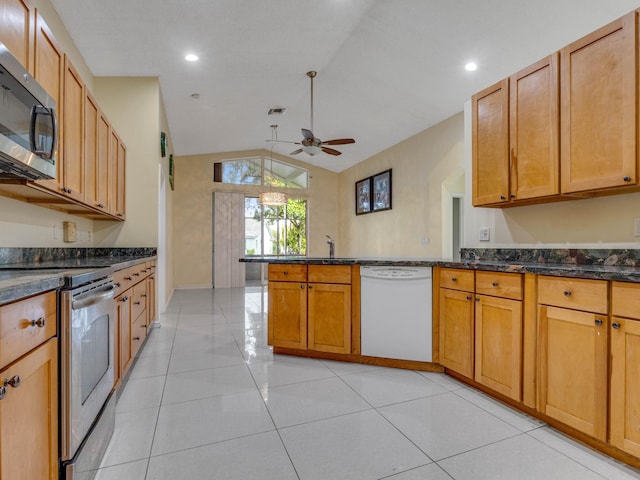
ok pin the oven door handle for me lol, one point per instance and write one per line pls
(93, 298)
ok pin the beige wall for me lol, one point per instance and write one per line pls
(192, 212)
(133, 107)
(413, 227)
(165, 221)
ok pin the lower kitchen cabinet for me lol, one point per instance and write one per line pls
(456, 331)
(29, 416)
(310, 307)
(572, 368)
(498, 343)
(124, 357)
(329, 321)
(287, 314)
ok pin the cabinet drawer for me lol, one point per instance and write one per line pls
(499, 284)
(287, 272)
(138, 300)
(625, 299)
(577, 294)
(138, 334)
(456, 279)
(124, 278)
(330, 274)
(26, 324)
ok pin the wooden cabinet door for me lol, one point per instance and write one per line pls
(598, 108)
(29, 416)
(151, 299)
(49, 72)
(490, 145)
(572, 368)
(287, 316)
(91, 115)
(16, 23)
(124, 332)
(73, 133)
(456, 331)
(625, 387)
(329, 317)
(117, 159)
(498, 345)
(534, 130)
(102, 162)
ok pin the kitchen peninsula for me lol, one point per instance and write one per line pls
(550, 332)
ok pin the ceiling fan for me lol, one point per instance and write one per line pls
(311, 144)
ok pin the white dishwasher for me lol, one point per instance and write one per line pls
(395, 312)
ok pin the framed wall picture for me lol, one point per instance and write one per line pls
(363, 196)
(171, 171)
(163, 144)
(381, 191)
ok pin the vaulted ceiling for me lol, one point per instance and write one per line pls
(387, 69)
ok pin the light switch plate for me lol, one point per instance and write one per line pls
(484, 234)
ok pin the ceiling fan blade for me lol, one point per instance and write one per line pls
(295, 152)
(331, 151)
(307, 133)
(283, 141)
(339, 141)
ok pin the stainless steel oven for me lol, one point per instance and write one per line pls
(87, 414)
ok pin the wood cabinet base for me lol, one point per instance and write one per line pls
(354, 358)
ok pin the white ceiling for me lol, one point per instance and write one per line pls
(387, 69)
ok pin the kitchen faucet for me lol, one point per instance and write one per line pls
(332, 252)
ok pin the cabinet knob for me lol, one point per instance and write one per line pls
(502, 197)
(468, 297)
(477, 299)
(286, 273)
(144, 295)
(41, 322)
(627, 178)
(495, 284)
(136, 338)
(128, 278)
(137, 274)
(567, 293)
(513, 195)
(302, 286)
(310, 287)
(119, 215)
(454, 279)
(117, 284)
(136, 303)
(124, 299)
(99, 205)
(598, 322)
(616, 325)
(14, 381)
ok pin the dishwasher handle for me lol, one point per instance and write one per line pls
(94, 297)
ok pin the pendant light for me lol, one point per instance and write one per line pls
(271, 198)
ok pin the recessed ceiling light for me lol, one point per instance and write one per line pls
(470, 67)
(191, 58)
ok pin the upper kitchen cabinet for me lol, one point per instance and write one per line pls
(490, 149)
(515, 137)
(49, 72)
(96, 155)
(117, 170)
(16, 28)
(598, 110)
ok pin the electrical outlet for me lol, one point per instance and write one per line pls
(484, 234)
(636, 227)
(424, 240)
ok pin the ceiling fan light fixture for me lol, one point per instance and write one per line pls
(273, 199)
(312, 149)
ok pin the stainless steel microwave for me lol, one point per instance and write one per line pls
(28, 125)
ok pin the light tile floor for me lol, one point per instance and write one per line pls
(207, 399)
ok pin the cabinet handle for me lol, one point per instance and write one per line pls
(136, 338)
(598, 322)
(99, 205)
(128, 278)
(310, 287)
(41, 322)
(124, 299)
(513, 195)
(454, 279)
(119, 215)
(286, 273)
(502, 197)
(15, 381)
(477, 299)
(3, 392)
(144, 295)
(616, 325)
(627, 178)
(567, 293)
(495, 284)
(117, 284)
(136, 303)
(301, 286)
(468, 297)
(137, 274)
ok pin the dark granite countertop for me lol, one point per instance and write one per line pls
(625, 272)
(20, 280)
